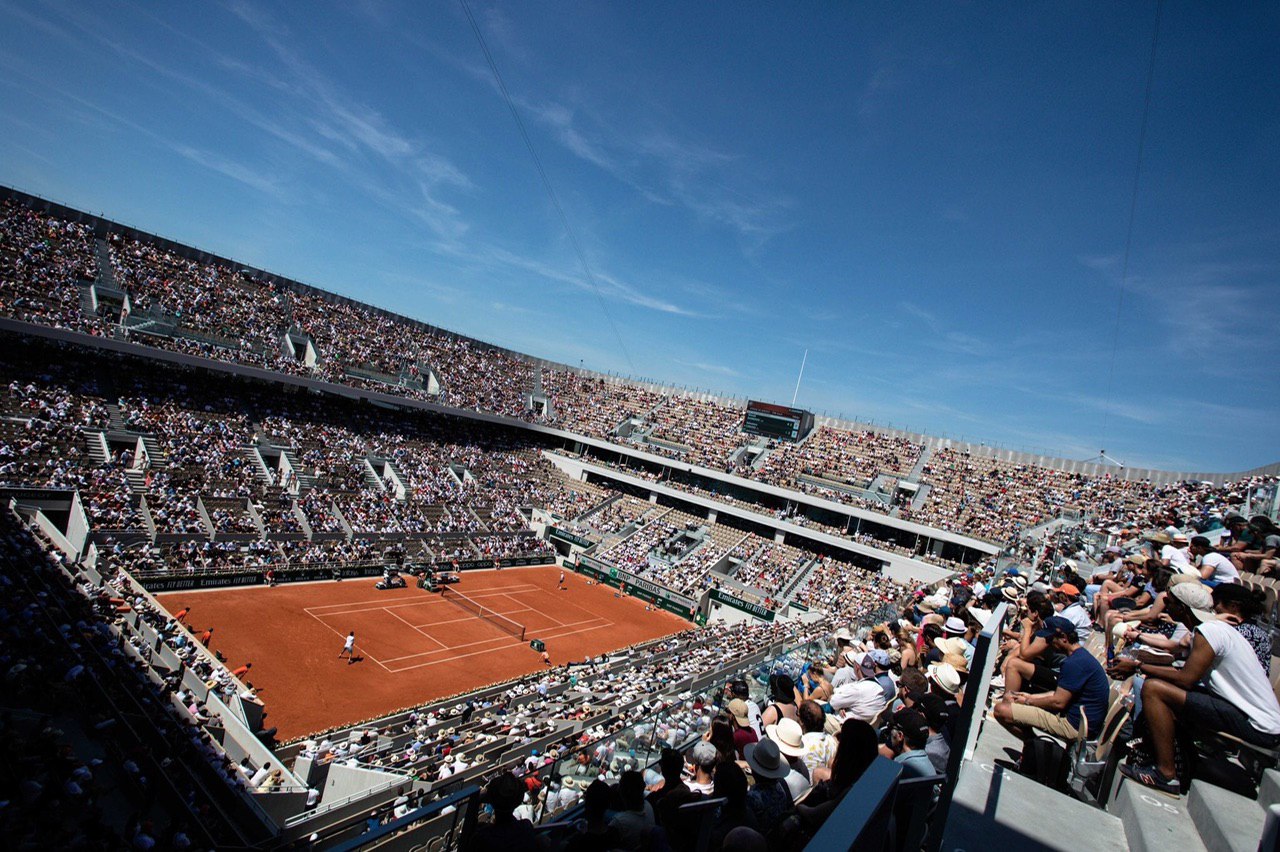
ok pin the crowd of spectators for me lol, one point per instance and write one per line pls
(94, 745)
(852, 458)
(223, 311)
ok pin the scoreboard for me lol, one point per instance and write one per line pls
(777, 421)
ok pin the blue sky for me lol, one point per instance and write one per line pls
(932, 198)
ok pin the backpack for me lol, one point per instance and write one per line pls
(1045, 761)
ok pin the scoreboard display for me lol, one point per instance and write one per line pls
(777, 421)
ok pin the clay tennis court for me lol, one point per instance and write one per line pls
(413, 645)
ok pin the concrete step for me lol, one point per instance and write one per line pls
(1269, 790)
(1226, 822)
(1154, 822)
(997, 808)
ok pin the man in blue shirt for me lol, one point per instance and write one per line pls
(908, 737)
(1082, 692)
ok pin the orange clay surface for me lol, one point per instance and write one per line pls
(411, 645)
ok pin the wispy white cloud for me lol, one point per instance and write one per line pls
(250, 177)
(609, 286)
(943, 337)
(719, 369)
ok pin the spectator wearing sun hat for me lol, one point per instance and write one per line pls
(954, 646)
(789, 737)
(770, 798)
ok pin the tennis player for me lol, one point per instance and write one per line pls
(349, 646)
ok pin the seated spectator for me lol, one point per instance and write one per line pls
(634, 822)
(1238, 699)
(819, 746)
(782, 700)
(909, 734)
(789, 737)
(504, 793)
(595, 832)
(1066, 598)
(680, 828)
(1109, 569)
(1214, 568)
(1032, 663)
(671, 765)
(720, 735)
(1082, 692)
(937, 713)
(856, 749)
(1241, 608)
(704, 757)
(731, 785)
(770, 799)
(743, 735)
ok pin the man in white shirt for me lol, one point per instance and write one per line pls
(847, 670)
(1173, 553)
(1066, 598)
(861, 699)
(1214, 567)
(260, 777)
(1239, 700)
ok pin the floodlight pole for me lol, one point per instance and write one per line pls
(799, 377)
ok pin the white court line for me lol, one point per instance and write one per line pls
(482, 641)
(472, 618)
(518, 644)
(363, 653)
(420, 633)
(558, 622)
(382, 603)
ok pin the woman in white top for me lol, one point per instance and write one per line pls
(1239, 700)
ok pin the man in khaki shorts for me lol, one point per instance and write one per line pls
(1082, 692)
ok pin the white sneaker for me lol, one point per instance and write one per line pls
(997, 682)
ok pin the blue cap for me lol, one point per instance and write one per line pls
(1057, 624)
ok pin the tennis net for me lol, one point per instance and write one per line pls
(475, 608)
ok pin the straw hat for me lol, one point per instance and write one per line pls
(787, 734)
(945, 676)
